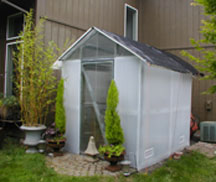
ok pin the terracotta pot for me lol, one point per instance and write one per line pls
(56, 145)
(113, 160)
(9, 113)
(3, 112)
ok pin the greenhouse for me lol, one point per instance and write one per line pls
(154, 95)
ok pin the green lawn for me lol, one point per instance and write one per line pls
(16, 166)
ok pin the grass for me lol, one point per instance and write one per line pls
(16, 166)
(193, 167)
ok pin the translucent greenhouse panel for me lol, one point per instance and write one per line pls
(105, 46)
(96, 78)
(97, 46)
(74, 55)
(166, 97)
(129, 86)
(71, 75)
(122, 52)
(181, 112)
(90, 47)
(154, 128)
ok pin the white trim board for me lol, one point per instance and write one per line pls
(7, 29)
(6, 64)
(136, 19)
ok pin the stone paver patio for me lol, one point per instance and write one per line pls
(79, 165)
(207, 149)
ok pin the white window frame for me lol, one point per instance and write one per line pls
(7, 31)
(6, 64)
(125, 20)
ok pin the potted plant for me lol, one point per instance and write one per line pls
(9, 108)
(55, 134)
(1, 105)
(114, 151)
(35, 82)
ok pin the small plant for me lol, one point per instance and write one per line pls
(57, 129)
(53, 133)
(10, 101)
(9, 108)
(112, 150)
(1, 99)
(113, 131)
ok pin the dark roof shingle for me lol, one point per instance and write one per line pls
(153, 55)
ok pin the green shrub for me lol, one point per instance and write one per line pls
(10, 101)
(114, 133)
(206, 58)
(60, 118)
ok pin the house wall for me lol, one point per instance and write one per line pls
(169, 25)
(69, 19)
(5, 11)
(2, 51)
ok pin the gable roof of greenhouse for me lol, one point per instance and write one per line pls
(145, 52)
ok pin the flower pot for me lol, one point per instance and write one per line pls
(56, 145)
(3, 112)
(9, 113)
(1, 136)
(113, 160)
(32, 137)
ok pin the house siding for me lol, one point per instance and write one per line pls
(5, 11)
(169, 25)
(165, 24)
(2, 52)
(69, 19)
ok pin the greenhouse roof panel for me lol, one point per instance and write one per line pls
(153, 55)
(145, 52)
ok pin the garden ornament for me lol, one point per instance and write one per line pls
(91, 149)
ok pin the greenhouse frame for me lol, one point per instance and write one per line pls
(154, 95)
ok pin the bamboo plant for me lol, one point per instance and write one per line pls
(35, 81)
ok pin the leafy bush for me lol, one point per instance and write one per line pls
(60, 118)
(112, 150)
(206, 61)
(9, 108)
(10, 101)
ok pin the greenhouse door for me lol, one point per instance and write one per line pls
(96, 78)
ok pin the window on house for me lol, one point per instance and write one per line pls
(131, 22)
(14, 25)
(10, 69)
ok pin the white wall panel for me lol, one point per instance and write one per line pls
(71, 74)
(126, 75)
(166, 99)
(154, 130)
(181, 109)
